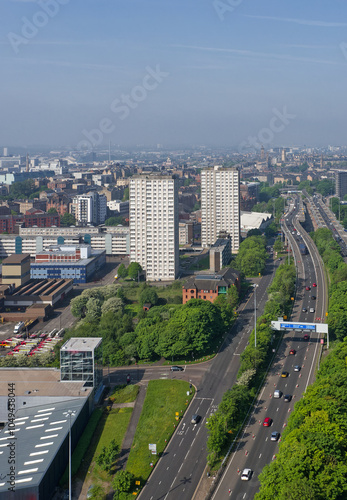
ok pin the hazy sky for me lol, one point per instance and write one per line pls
(173, 71)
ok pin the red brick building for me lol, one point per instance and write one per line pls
(210, 286)
(33, 217)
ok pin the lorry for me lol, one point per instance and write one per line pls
(303, 249)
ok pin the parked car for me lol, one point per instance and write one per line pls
(177, 368)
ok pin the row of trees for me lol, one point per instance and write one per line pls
(227, 420)
(311, 463)
(329, 249)
(251, 258)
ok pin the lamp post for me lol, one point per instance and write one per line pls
(255, 315)
(69, 414)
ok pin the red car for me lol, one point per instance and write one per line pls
(267, 422)
(306, 337)
(308, 288)
(292, 351)
(314, 284)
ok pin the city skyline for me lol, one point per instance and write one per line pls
(225, 72)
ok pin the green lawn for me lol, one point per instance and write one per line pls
(157, 423)
(124, 394)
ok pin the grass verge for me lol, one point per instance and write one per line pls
(124, 394)
(157, 423)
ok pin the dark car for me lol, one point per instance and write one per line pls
(304, 310)
(195, 419)
(313, 297)
(287, 398)
(177, 368)
(306, 337)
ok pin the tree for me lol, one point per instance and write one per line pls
(108, 456)
(78, 306)
(122, 271)
(123, 481)
(52, 210)
(148, 295)
(67, 220)
(115, 221)
(126, 194)
(93, 308)
(254, 232)
(114, 305)
(134, 270)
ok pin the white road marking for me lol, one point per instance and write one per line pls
(181, 441)
(260, 455)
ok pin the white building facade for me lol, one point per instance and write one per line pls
(220, 205)
(89, 208)
(154, 225)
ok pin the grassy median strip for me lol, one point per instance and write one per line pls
(157, 423)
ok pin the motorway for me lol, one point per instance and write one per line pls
(255, 449)
(178, 472)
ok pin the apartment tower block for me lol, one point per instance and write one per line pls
(220, 206)
(154, 236)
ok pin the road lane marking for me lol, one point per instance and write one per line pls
(181, 441)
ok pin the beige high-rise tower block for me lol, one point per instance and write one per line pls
(154, 235)
(220, 205)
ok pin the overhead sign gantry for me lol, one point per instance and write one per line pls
(281, 325)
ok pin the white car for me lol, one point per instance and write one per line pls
(246, 474)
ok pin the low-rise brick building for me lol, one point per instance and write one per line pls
(210, 286)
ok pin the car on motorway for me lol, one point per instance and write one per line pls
(292, 351)
(287, 398)
(246, 474)
(312, 310)
(195, 419)
(306, 337)
(297, 368)
(267, 422)
(314, 284)
(308, 288)
(304, 310)
(284, 374)
(277, 394)
(313, 297)
(177, 368)
(275, 436)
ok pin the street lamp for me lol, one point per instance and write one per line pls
(69, 414)
(255, 315)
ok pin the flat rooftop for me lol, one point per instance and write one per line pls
(81, 344)
(16, 258)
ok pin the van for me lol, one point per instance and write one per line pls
(18, 327)
(312, 310)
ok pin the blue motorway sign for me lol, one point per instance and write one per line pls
(298, 325)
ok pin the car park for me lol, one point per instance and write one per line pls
(292, 351)
(267, 422)
(177, 368)
(284, 374)
(277, 394)
(275, 436)
(297, 368)
(287, 398)
(195, 419)
(246, 474)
